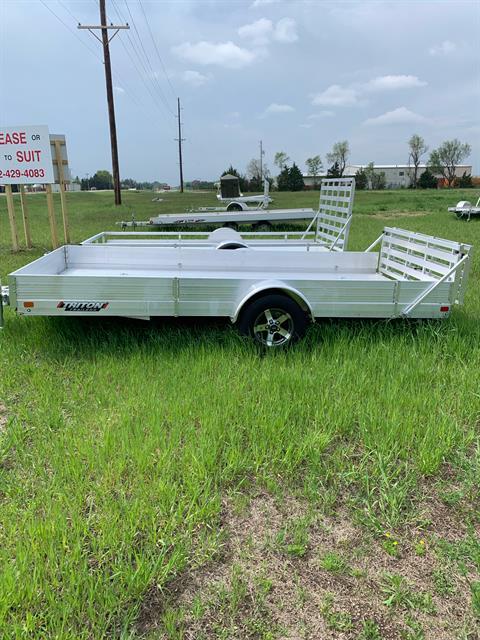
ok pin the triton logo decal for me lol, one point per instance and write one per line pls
(82, 306)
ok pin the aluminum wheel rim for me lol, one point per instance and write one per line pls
(273, 327)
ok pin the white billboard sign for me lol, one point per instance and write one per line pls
(25, 156)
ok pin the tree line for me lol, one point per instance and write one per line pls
(103, 179)
(442, 161)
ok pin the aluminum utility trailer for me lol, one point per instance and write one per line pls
(465, 209)
(241, 202)
(271, 295)
(336, 197)
(328, 228)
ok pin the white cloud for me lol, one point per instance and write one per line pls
(222, 54)
(391, 83)
(400, 115)
(443, 49)
(262, 31)
(195, 78)
(279, 108)
(118, 89)
(261, 3)
(286, 30)
(306, 126)
(321, 114)
(258, 32)
(336, 96)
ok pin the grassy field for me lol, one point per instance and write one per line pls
(164, 480)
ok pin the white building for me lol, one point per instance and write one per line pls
(401, 175)
(397, 176)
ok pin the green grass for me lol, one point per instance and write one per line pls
(123, 437)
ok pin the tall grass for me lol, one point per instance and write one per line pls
(122, 437)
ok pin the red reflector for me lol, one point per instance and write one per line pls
(444, 308)
(28, 305)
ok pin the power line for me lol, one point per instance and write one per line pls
(156, 48)
(128, 91)
(147, 59)
(67, 9)
(71, 30)
(132, 43)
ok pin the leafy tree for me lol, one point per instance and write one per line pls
(334, 171)
(417, 147)
(379, 180)
(361, 180)
(295, 179)
(231, 172)
(339, 155)
(376, 179)
(445, 159)
(314, 166)
(465, 182)
(427, 180)
(283, 180)
(102, 180)
(281, 159)
(256, 175)
(253, 169)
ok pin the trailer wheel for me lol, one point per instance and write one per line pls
(262, 226)
(234, 206)
(231, 225)
(274, 321)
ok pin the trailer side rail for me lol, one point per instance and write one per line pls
(202, 237)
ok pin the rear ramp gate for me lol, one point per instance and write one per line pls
(410, 256)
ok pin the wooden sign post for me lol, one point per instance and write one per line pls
(60, 162)
(11, 217)
(51, 216)
(26, 222)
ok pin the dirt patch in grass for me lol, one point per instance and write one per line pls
(284, 571)
(3, 417)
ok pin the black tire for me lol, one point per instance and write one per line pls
(283, 320)
(262, 226)
(234, 207)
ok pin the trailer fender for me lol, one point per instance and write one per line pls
(235, 205)
(273, 286)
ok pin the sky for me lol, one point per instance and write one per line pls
(297, 75)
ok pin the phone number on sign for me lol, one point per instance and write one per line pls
(26, 173)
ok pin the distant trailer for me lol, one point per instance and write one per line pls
(335, 207)
(261, 219)
(465, 210)
(239, 202)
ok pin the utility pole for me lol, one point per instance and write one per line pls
(262, 153)
(105, 40)
(180, 140)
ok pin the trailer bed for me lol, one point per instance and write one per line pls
(411, 275)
